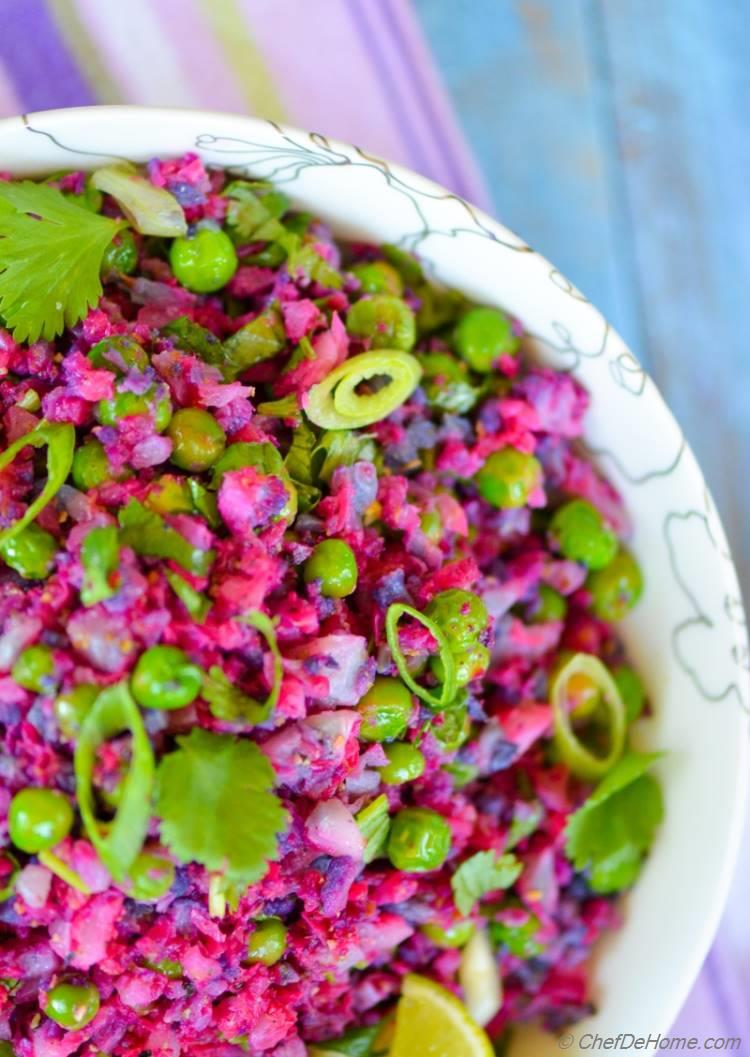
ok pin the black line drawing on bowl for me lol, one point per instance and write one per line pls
(298, 156)
(702, 622)
(638, 478)
(628, 373)
(63, 146)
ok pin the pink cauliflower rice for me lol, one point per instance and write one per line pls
(298, 566)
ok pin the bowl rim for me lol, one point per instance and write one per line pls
(59, 117)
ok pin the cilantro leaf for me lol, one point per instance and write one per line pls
(482, 873)
(260, 339)
(526, 819)
(150, 535)
(100, 558)
(304, 263)
(50, 255)
(215, 801)
(615, 827)
(255, 216)
(299, 465)
(342, 447)
(227, 701)
(359, 1042)
(191, 337)
(286, 407)
(196, 603)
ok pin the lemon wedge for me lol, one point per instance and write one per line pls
(431, 1022)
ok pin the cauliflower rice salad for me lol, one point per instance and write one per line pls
(309, 672)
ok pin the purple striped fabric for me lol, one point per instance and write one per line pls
(37, 64)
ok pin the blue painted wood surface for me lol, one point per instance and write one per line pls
(615, 138)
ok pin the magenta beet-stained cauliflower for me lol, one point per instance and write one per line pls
(308, 676)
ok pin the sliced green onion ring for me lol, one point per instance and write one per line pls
(60, 439)
(335, 404)
(265, 626)
(581, 761)
(118, 842)
(61, 869)
(448, 690)
(151, 210)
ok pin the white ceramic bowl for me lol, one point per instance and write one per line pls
(688, 634)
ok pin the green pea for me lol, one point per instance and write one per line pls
(72, 1006)
(472, 664)
(405, 263)
(151, 877)
(420, 840)
(483, 335)
(126, 404)
(35, 669)
(385, 710)
(91, 466)
(578, 530)
(198, 439)
(170, 494)
(165, 678)
(387, 321)
(121, 255)
(378, 277)
(119, 353)
(457, 935)
(446, 383)
(267, 942)
(72, 706)
(461, 615)
(437, 307)
(508, 478)
(551, 605)
(332, 562)
(405, 763)
(205, 261)
(31, 552)
(616, 588)
(39, 819)
(631, 691)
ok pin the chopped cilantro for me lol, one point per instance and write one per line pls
(482, 873)
(215, 801)
(51, 252)
(615, 827)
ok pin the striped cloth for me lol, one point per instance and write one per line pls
(328, 60)
(356, 69)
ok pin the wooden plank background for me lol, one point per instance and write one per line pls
(615, 138)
